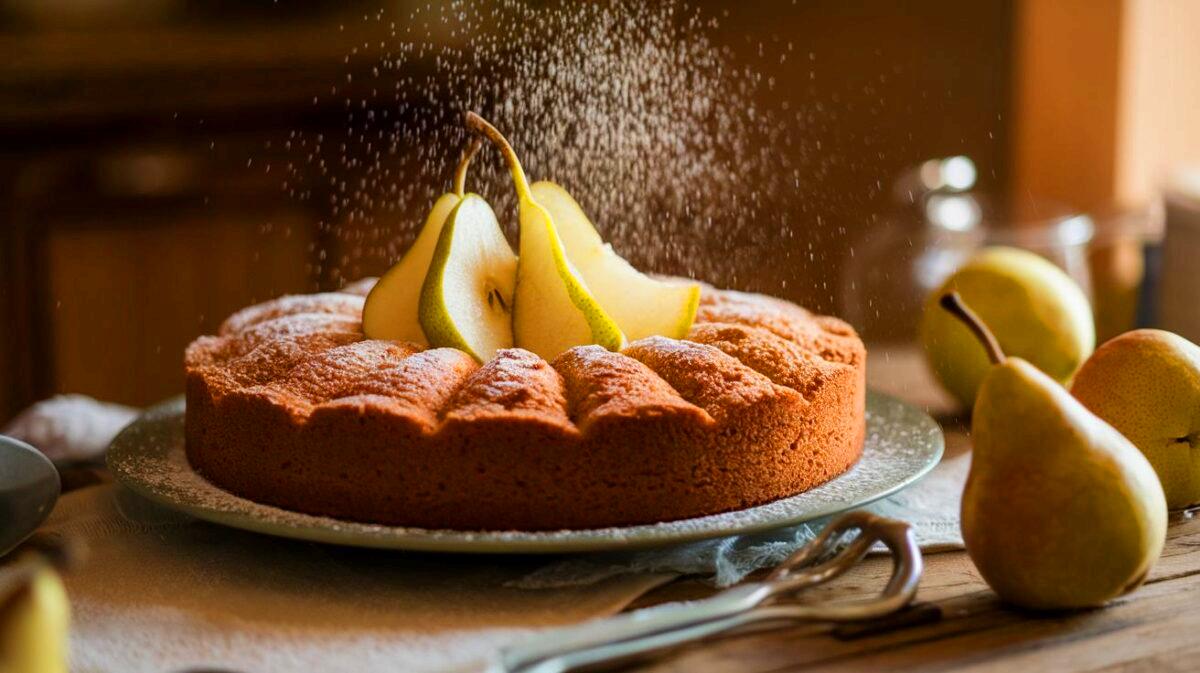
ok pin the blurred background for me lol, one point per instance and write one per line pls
(138, 205)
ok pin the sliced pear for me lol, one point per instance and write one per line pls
(392, 306)
(553, 308)
(641, 305)
(466, 300)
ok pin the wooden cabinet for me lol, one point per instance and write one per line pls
(119, 276)
(125, 233)
(123, 298)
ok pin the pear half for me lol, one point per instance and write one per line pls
(641, 305)
(553, 307)
(467, 297)
(391, 309)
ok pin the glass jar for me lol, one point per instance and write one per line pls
(892, 270)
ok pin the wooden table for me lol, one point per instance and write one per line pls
(1156, 628)
(1151, 629)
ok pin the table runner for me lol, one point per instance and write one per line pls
(161, 592)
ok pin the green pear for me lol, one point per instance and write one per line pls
(1035, 310)
(1146, 383)
(34, 619)
(553, 308)
(392, 307)
(641, 305)
(1060, 510)
(467, 294)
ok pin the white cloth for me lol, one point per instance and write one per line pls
(70, 428)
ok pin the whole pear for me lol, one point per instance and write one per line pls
(1036, 311)
(1146, 384)
(1060, 510)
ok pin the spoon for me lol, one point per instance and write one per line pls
(29, 486)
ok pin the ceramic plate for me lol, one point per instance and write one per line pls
(148, 457)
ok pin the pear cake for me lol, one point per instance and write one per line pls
(290, 405)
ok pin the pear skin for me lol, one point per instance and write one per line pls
(34, 621)
(642, 306)
(392, 308)
(1060, 510)
(1036, 311)
(553, 308)
(1146, 383)
(468, 291)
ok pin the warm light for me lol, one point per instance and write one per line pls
(954, 212)
(958, 173)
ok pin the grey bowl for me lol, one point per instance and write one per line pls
(29, 486)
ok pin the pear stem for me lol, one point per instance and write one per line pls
(953, 302)
(481, 126)
(460, 174)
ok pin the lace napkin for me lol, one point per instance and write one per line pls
(931, 506)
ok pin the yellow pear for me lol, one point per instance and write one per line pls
(34, 619)
(553, 308)
(392, 307)
(1146, 383)
(467, 295)
(1037, 312)
(641, 305)
(1059, 510)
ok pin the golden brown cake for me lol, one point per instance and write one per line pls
(289, 405)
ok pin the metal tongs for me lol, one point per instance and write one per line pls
(772, 601)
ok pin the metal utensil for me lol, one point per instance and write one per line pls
(755, 604)
(29, 487)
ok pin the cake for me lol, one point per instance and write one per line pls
(291, 406)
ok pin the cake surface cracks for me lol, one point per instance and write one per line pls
(722, 364)
(758, 382)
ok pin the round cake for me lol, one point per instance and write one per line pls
(289, 405)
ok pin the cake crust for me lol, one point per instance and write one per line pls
(289, 405)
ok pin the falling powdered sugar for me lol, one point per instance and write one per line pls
(631, 106)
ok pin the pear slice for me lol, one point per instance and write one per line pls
(391, 309)
(641, 305)
(467, 296)
(553, 308)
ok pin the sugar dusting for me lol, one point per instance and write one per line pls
(630, 105)
(902, 444)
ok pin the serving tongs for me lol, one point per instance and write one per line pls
(762, 604)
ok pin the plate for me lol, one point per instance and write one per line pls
(29, 486)
(902, 445)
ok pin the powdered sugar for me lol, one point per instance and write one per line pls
(657, 130)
